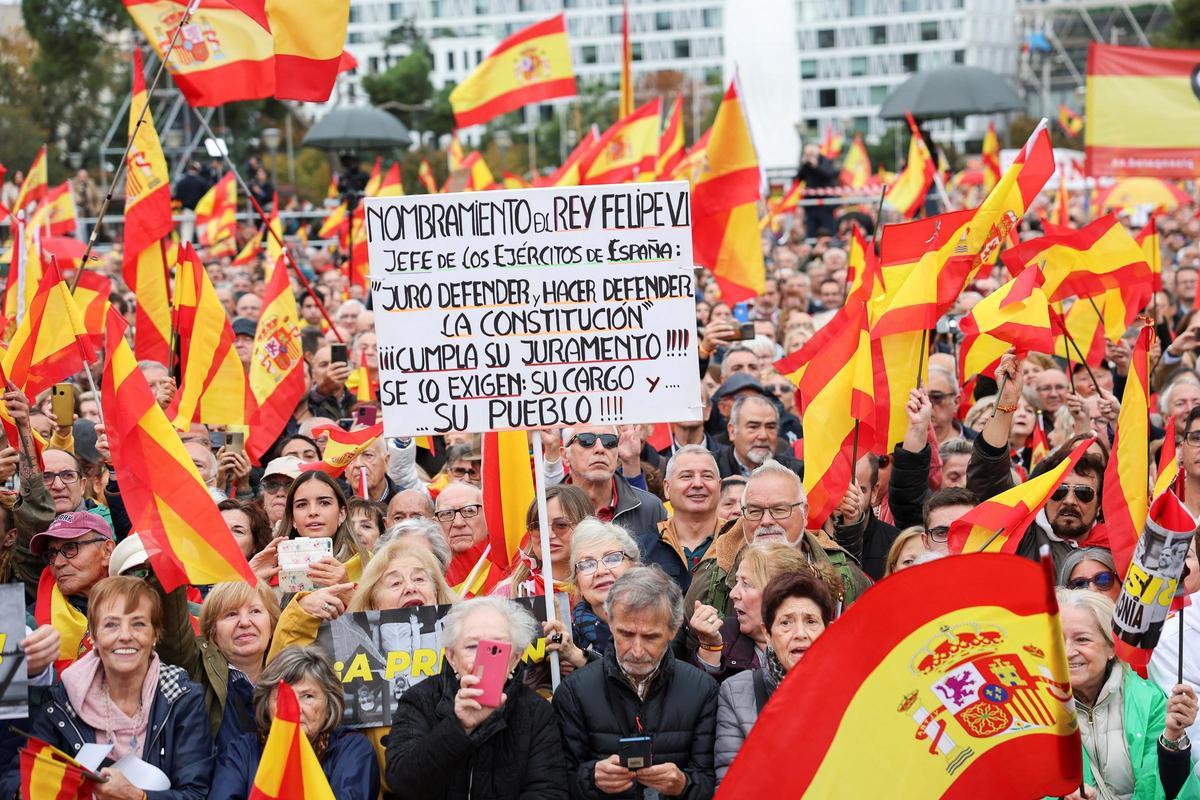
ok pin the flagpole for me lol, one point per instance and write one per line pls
(988, 543)
(287, 254)
(112, 187)
(539, 483)
(474, 573)
(87, 363)
(921, 357)
(1180, 669)
(1082, 360)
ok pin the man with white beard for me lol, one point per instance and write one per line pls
(753, 438)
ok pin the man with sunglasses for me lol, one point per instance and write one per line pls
(590, 454)
(943, 392)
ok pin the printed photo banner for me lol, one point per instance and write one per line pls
(534, 308)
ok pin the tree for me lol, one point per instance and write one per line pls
(1185, 27)
(405, 90)
(21, 134)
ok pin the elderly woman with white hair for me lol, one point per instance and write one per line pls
(601, 552)
(424, 532)
(444, 743)
(1134, 737)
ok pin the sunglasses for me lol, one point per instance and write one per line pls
(1084, 494)
(937, 398)
(1101, 580)
(588, 440)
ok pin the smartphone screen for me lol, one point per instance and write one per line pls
(741, 312)
(338, 353)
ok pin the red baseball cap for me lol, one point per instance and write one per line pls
(72, 525)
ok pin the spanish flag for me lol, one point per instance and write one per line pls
(147, 223)
(694, 162)
(391, 186)
(856, 166)
(628, 150)
(568, 173)
(473, 574)
(1083, 323)
(342, 447)
(277, 366)
(213, 385)
(952, 676)
(248, 255)
(36, 184)
(991, 158)
(777, 207)
(907, 193)
(514, 181)
(425, 176)
(376, 178)
(53, 608)
(507, 492)
(725, 199)
(834, 372)
(358, 263)
(1016, 315)
(1039, 448)
(183, 532)
(307, 40)
(273, 232)
(862, 266)
(831, 145)
(1086, 262)
(1070, 122)
(1148, 239)
(532, 65)
(670, 144)
(288, 768)
(56, 215)
(335, 225)
(627, 102)
(91, 297)
(216, 212)
(48, 773)
(454, 153)
(1142, 112)
(50, 342)
(1127, 497)
(997, 525)
(1168, 462)
(478, 173)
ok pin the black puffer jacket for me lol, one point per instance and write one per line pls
(597, 707)
(515, 754)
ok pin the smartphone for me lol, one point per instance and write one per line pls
(491, 667)
(745, 332)
(235, 441)
(346, 423)
(338, 353)
(62, 402)
(216, 439)
(635, 752)
(741, 312)
(366, 415)
(294, 557)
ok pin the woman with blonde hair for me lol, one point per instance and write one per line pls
(906, 549)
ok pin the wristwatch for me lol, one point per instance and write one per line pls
(1175, 745)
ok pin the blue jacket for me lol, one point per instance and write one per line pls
(348, 763)
(179, 740)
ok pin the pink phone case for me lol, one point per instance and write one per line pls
(491, 667)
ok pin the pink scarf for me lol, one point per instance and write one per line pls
(88, 693)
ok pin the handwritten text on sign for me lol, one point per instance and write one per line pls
(536, 307)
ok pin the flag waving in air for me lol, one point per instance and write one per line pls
(1127, 496)
(1015, 315)
(307, 41)
(289, 769)
(907, 193)
(277, 364)
(36, 184)
(184, 534)
(952, 675)
(342, 447)
(531, 66)
(991, 158)
(628, 150)
(507, 492)
(51, 342)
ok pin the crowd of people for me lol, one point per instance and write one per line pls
(695, 584)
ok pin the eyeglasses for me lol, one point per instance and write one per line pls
(67, 476)
(939, 534)
(755, 513)
(588, 440)
(1101, 580)
(612, 560)
(275, 487)
(559, 526)
(468, 512)
(463, 472)
(1082, 492)
(937, 398)
(1192, 437)
(68, 550)
(782, 388)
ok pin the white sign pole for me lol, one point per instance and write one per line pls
(544, 563)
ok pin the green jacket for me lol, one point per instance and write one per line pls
(180, 645)
(1145, 710)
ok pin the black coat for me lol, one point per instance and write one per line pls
(727, 463)
(597, 708)
(516, 753)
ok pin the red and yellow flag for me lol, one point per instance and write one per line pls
(531, 66)
(1085, 325)
(1039, 448)
(834, 374)
(1142, 112)
(1168, 462)
(36, 184)
(958, 692)
(1016, 315)
(91, 298)
(997, 525)
(53, 608)
(335, 225)
(147, 223)
(1060, 213)
(425, 176)
(391, 185)
(507, 492)
(907, 192)
(1070, 122)
(277, 380)
(216, 212)
(376, 178)
(1148, 240)
(289, 769)
(479, 174)
(342, 447)
(568, 173)
(55, 216)
(991, 158)
(1126, 496)
(725, 234)
(628, 150)
(627, 101)
(213, 385)
(670, 145)
(306, 40)
(358, 263)
(856, 166)
(455, 154)
(184, 534)
(48, 773)
(248, 255)
(50, 342)
(831, 145)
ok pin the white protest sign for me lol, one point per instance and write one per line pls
(535, 307)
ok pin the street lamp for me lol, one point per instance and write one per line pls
(271, 137)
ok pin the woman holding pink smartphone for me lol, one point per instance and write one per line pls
(476, 730)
